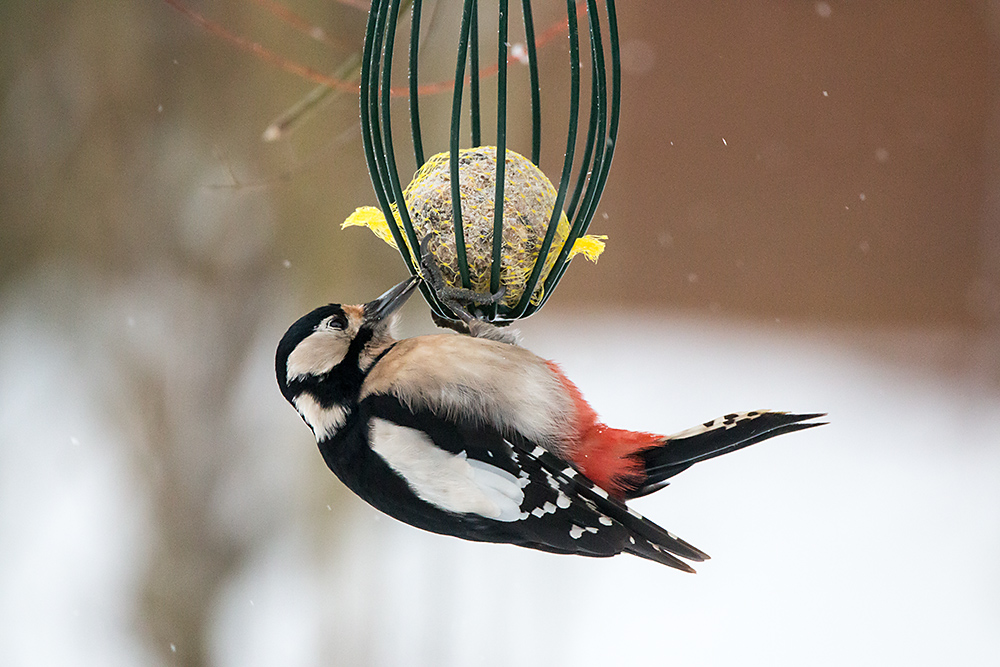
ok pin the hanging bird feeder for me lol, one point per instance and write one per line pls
(491, 224)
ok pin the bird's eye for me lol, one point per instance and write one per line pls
(337, 323)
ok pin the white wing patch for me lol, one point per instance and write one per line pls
(325, 422)
(451, 482)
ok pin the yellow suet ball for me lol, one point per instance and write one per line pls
(529, 199)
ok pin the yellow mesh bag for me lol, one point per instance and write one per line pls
(529, 198)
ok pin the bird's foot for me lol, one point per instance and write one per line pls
(458, 299)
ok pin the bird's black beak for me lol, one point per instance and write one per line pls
(385, 305)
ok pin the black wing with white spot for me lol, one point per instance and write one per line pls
(557, 509)
(642, 537)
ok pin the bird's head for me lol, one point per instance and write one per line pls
(323, 357)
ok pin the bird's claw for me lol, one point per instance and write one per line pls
(457, 299)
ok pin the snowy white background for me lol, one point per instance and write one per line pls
(874, 540)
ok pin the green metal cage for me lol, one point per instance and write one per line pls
(585, 164)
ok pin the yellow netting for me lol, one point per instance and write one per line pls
(529, 198)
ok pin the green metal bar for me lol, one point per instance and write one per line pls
(415, 132)
(367, 63)
(574, 121)
(593, 193)
(615, 107)
(389, 153)
(370, 132)
(593, 152)
(585, 218)
(536, 89)
(371, 135)
(418, 143)
(557, 277)
(477, 134)
(501, 161)
(418, 151)
(456, 128)
(588, 153)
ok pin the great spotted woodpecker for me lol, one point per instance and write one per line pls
(476, 437)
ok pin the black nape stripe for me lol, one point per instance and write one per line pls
(379, 357)
(342, 383)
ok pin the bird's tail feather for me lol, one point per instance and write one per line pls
(714, 438)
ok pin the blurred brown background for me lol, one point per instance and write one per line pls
(802, 161)
(775, 159)
(829, 165)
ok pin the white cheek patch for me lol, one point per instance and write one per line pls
(317, 354)
(325, 422)
(451, 482)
